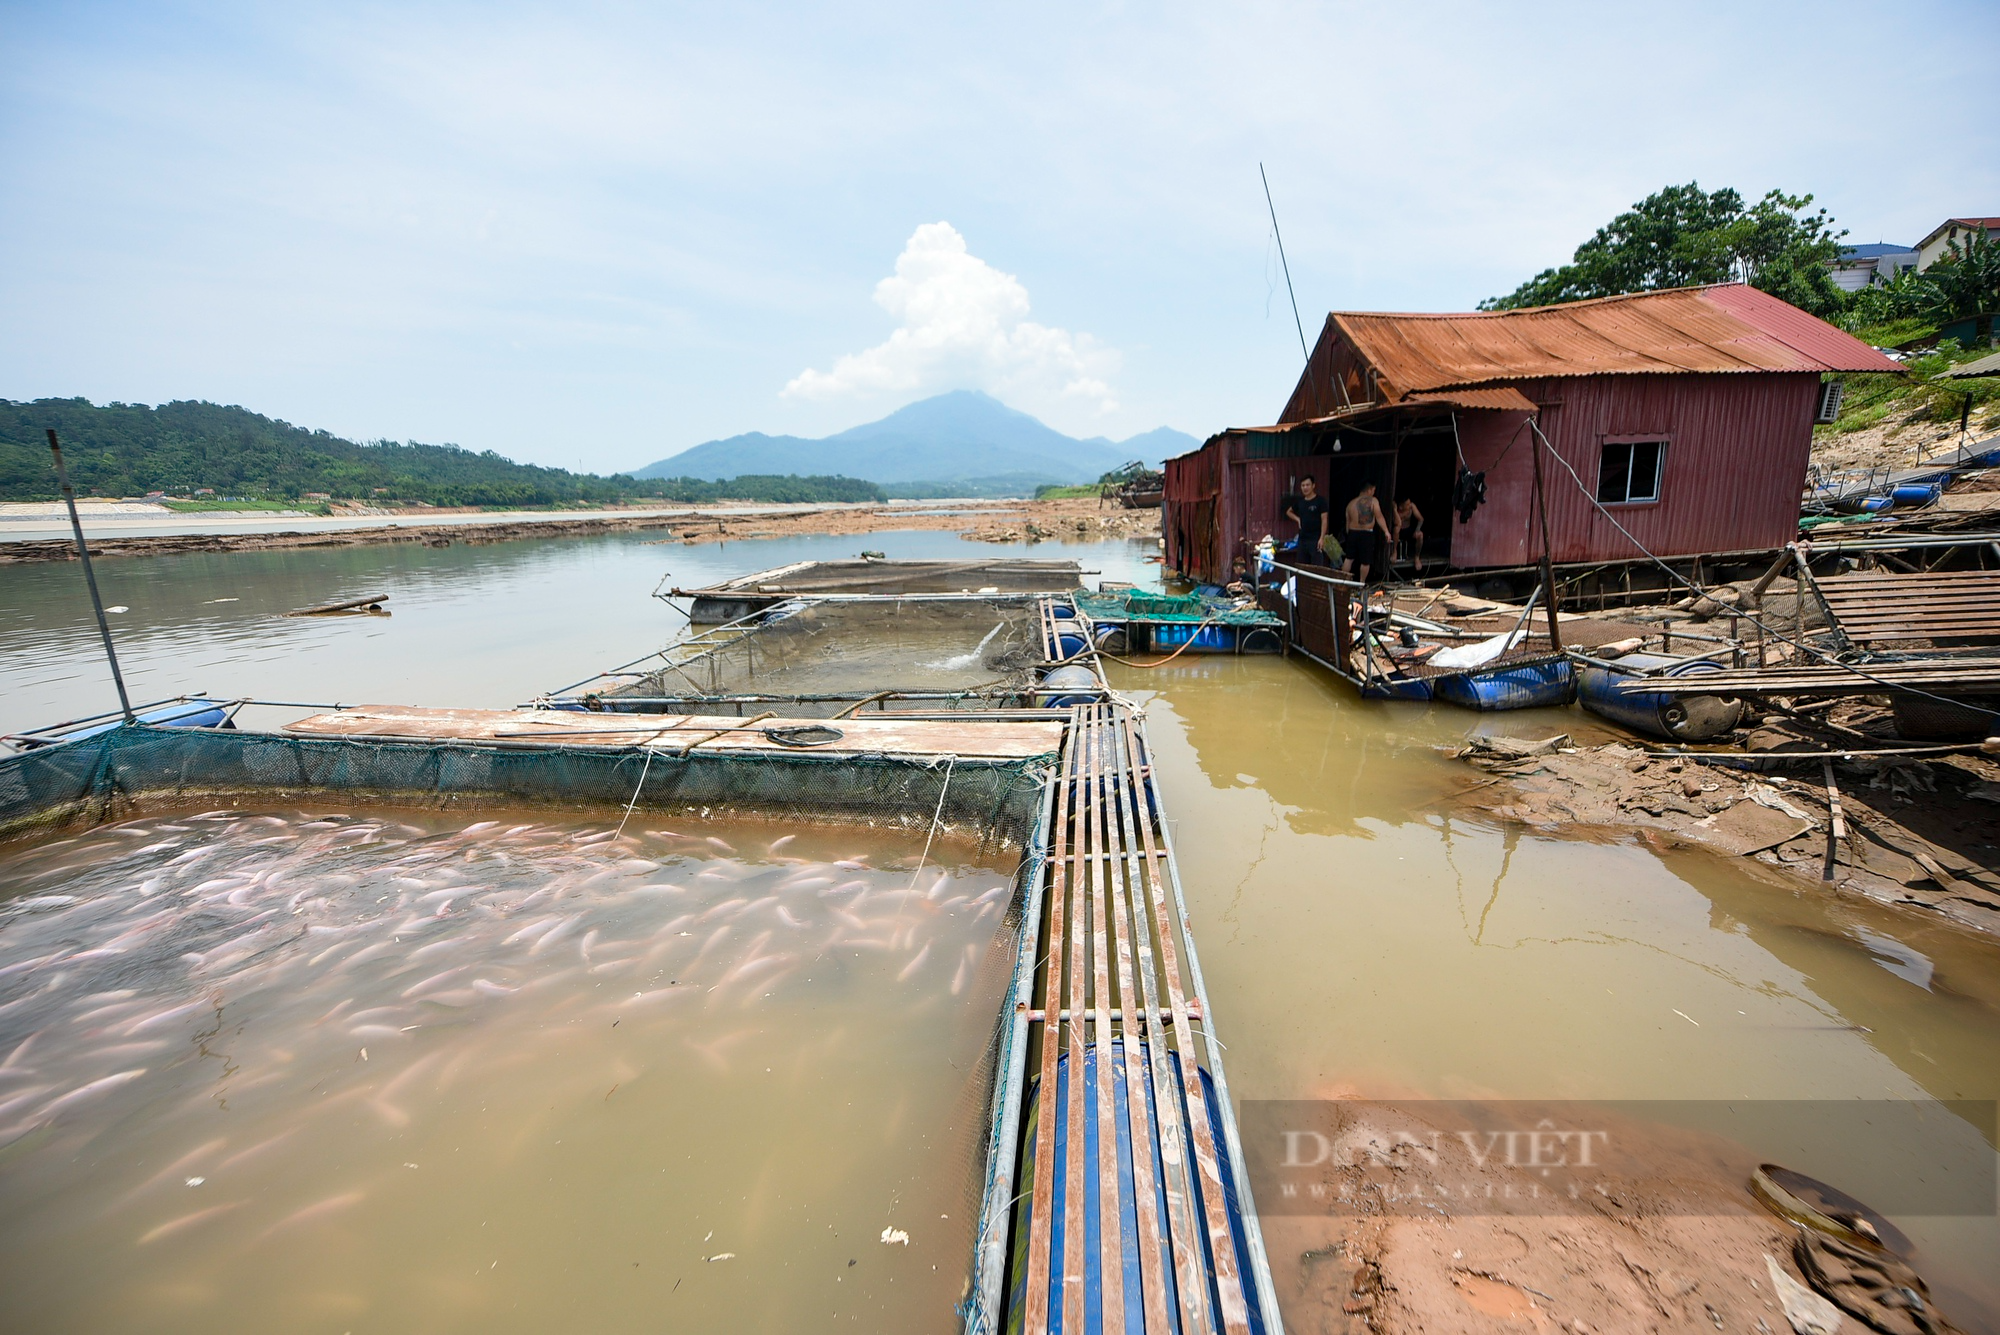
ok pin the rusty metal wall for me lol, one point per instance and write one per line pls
(1194, 514)
(1735, 464)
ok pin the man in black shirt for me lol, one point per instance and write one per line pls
(1308, 509)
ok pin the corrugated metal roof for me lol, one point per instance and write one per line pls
(1726, 328)
(1502, 399)
(1987, 365)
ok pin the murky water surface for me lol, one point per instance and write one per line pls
(1357, 937)
(348, 1070)
(1360, 939)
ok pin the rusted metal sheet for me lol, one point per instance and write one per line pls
(675, 732)
(1730, 328)
(1960, 607)
(1736, 451)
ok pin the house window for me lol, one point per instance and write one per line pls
(1830, 395)
(1629, 471)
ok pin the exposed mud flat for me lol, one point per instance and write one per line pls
(1004, 521)
(1678, 1244)
(1920, 832)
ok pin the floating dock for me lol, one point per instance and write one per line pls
(1117, 1197)
(734, 599)
(1191, 623)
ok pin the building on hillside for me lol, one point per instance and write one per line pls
(1679, 424)
(1876, 262)
(1938, 244)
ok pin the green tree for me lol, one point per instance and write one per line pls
(1966, 281)
(1683, 236)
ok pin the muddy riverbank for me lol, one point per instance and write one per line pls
(1919, 831)
(1007, 521)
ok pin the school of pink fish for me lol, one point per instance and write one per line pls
(332, 971)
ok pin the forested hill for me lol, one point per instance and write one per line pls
(123, 449)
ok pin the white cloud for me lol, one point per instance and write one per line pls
(963, 324)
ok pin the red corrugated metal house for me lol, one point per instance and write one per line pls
(1685, 415)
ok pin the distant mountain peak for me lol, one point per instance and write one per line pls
(961, 435)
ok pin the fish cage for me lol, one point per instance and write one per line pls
(831, 658)
(734, 599)
(179, 932)
(1066, 799)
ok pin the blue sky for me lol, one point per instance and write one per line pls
(592, 235)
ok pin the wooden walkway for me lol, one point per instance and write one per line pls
(1117, 1038)
(680, 733)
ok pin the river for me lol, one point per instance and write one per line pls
(1358, 937)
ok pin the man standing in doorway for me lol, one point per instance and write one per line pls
(1410, 528)
(1308, 509)
(1364, 520)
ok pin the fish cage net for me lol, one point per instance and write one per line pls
(992, 803)
(929, 803)
(970, 647)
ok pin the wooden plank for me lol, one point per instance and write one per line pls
(1222, 1242)
(1110, 1211)
(1134, 993)
(1073, 1188)
(1041, 1202)
(556, 727)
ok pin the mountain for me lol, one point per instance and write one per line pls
(965, 439)
(127, 449)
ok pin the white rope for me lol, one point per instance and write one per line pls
(936, 818)
(643, 769)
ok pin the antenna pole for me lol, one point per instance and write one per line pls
(1300, 324)
(89, 576)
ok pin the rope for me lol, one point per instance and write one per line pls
(1689, 584)
(936, 817)
(629, 806)
(1170, 657)
(1737, 757)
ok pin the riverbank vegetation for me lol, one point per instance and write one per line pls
(187, 448)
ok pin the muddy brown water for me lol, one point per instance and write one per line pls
(339, 1070)
(1359, 935)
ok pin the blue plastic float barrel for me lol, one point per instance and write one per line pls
(1911, 495)
(1077, 684)
(1624, 699)
(1071, 644)
(1530, 687)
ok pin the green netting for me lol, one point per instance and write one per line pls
(1190, 608)
(100, 777)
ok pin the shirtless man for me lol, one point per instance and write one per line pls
(1410, 524)
(1364, 520)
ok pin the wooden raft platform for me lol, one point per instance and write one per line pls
(1879, 608)
(1115, 1037)
(681, 733)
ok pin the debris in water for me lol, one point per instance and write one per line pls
(196, 1181)
(721, 1256)
(895, 1237)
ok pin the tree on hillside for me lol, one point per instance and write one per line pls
(1966, 281)
(1683, 236)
